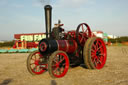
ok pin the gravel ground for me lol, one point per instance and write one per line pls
(13, 71)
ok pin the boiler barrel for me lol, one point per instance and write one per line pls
(48, 46)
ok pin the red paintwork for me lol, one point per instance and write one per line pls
(68, 46)
(99, 53)
(59, 64)
(72, 34)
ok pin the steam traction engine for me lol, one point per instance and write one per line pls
(62, 49)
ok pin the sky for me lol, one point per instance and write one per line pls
(27, 16)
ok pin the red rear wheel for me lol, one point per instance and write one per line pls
(95, 53)
(35, 63)
(58, 64)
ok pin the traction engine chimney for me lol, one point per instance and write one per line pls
(48, 21)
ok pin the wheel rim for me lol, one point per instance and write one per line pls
(83, 32)
(36, 64)
(60, 65)
(98, 53)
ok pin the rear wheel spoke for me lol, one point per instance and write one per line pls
(93, 53)
(99, 47)
(99, 61)
(92, 50)
(94, 46)
(101, 54)
(95, 63)
(97, 44)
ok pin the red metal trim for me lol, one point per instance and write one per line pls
(43, 46)
(67, 45)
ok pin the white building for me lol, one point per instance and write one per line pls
(112, 36)
(98, 34)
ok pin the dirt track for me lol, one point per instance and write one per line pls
(13, 71)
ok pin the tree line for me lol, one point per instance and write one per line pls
(7, 44)
(119, 39)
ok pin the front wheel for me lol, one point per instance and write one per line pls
(58, 64)
(36, 63)
(94, 53)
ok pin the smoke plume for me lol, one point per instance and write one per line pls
(45, 2)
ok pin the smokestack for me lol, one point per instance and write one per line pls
(48, 21)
